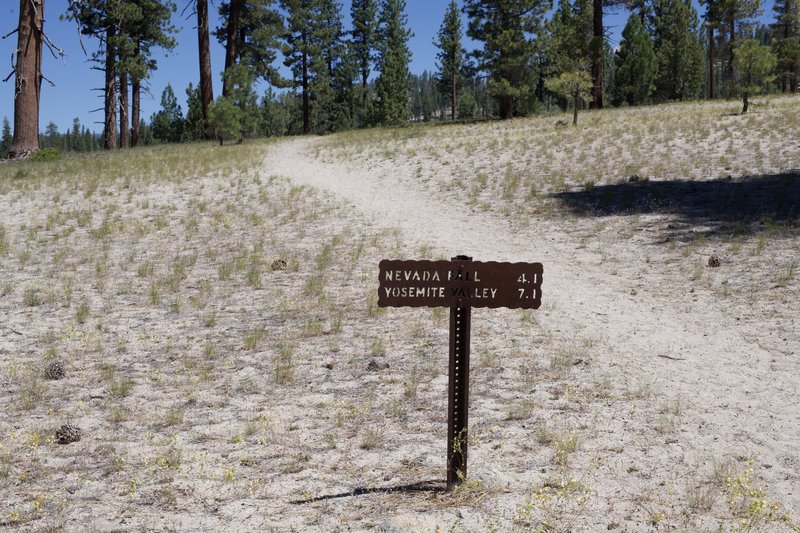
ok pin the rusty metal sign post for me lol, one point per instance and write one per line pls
(459, 284)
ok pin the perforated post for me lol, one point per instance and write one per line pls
(458, 391)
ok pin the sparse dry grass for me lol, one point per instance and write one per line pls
(225, 349)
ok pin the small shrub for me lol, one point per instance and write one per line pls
(82, 313)
(120, 389)
(45, 154)
(32, 297)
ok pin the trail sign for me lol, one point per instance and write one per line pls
(459, 284)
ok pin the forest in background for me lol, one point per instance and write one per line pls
(531, 59)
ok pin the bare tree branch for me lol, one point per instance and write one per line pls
(52, 46)
(189, 4)
(73, 8)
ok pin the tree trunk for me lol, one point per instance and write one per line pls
(597, 54)
(731, 51)
(364, 85)
(232, 43)
(712, 93)
(575, 109)
(28, 78)
(745, 103)
(124, 131)
(306, 103)
(454, 96)
(506, 107)
(110, 138)
(206, 87)
(136, 100)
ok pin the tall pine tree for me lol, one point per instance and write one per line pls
(329, 105)
(27, 78)
(204, 57)
(119, 25)
(713, 20)
(506, 28)
(364, 14)
(150, 29)
(736, 19)
(300, 49)
(392, 85)
(250, 32)
(450, 56)
(678, 48)
(786, 31)
(636, 66)
(753, 64)
(167, 123)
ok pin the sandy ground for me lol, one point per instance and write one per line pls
(730, 367)
(217, 390)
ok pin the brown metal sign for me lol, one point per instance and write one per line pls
(460, 283)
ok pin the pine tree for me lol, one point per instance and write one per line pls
(679, 52)
(77, 138)
(51, 135)
(102, 20)
(713, 21)
(392, 83)
(328, 93)
(28, 78)
(450, 56)
(149, 29)
(576, 85)
(569, 36)
(505, 27)
(167, 123)
(787, 52)
(736, 18)
(5, 138)
(204, 53)
(240, 80)
(786, 30)
(365, 34)
(300, 49)
(194, 128)
(225, 119)
(596, 50)
(275, 116)
(127, 31)
(636, 66)
(346, 80)
(250, 31)
(753, 64)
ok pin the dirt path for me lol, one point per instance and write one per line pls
(737, 399)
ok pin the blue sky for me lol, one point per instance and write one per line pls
(73, 94)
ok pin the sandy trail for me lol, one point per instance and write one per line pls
(738, 399)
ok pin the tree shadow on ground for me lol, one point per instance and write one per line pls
(420, 486)
(741, 206)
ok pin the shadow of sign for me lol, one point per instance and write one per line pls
(724, 206)
(420, 486)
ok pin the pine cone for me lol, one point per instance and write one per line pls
(68, 433)
(54, 370)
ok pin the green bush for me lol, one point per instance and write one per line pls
(46, 154)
